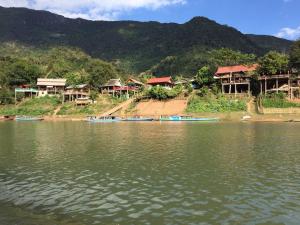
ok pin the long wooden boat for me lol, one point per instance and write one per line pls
(103, 119)
(7, 118)
(187, 118)
(28, 118)
(138, 119)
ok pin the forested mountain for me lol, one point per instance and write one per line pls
(133, 46)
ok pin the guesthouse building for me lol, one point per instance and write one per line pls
(236, 79)
(165, 82)
(50, 86)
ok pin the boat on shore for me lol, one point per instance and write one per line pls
(7, 118)
(28, 118)
(137, 119)
(187, 118)
(103, 119)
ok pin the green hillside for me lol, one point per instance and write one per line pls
(132, 46)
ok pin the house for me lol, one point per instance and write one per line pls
(236, 79)
(75, 92)
(110, 86)
(50, 86)
(284, 83)
(135, 83)
(165, 82)
(116, 88)
(26, 90)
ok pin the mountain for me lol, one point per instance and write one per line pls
(269, 42)
(134, 46)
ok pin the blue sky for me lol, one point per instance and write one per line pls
(274, 17)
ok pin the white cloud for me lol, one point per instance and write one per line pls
(91, 9)
(289, 33)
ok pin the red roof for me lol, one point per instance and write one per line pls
(236, 69)
(160, 80)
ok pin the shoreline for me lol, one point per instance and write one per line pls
(224, 117)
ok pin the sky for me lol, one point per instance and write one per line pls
(280, 18)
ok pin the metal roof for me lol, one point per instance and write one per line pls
(51, 82)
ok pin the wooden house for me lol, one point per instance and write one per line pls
(165, 82)
(135, 83)
(236, 79)
(75, 92)
(116, 88)
(286, 83)
(50, 86)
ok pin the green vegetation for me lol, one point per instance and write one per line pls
(208, 102)
(277, 101)
(162, 93)
(133, 46)
(295, 56)
(33, 107)
(273, 63)
(101, 105)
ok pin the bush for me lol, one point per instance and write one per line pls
(214, 104)
(277, 101)
(162, 93)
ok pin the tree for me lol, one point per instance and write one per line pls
(229, 57)
(204, 76)
(22, 72)
(272, 63)
(99, 72)
(295, 55)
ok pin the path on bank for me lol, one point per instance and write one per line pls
(118, 107)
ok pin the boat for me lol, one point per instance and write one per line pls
(7, 118)
(28, 118)
(187, 118)
(103, 119)
(137, 119)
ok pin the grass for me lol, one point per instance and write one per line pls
(102, 104)
(277, 101)
(215, 104)
(32, 107)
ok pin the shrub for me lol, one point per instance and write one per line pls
(277, 101)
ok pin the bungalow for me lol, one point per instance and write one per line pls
(165, 82)
(75, 92)
(115, 87)
(284, 83)
(236, 79)
(26, 90)
(50, 86)
(135, 83)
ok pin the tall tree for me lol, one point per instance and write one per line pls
(295, 55)
(273, 63)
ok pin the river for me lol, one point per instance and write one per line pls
(149, 173)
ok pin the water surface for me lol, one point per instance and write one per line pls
(149, 173)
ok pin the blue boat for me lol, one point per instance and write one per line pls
(28, 118)
(187, 118)
(138, 119)
(103, 119)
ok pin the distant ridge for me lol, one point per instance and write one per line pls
(135, 46)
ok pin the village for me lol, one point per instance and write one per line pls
(150, 100)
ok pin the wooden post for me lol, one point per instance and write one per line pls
(249, 88)
(15, 97)
(277, 85)
(235, 90)
(261, 88)
(265, 85)
(230, 83)
(290, 90)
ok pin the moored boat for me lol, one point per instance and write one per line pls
(138, 119)
(103, 119)
(187, 118)
(28, 118)
(7, 118)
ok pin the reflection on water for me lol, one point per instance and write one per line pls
(149, 173)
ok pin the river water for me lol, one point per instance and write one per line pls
(149, 173)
